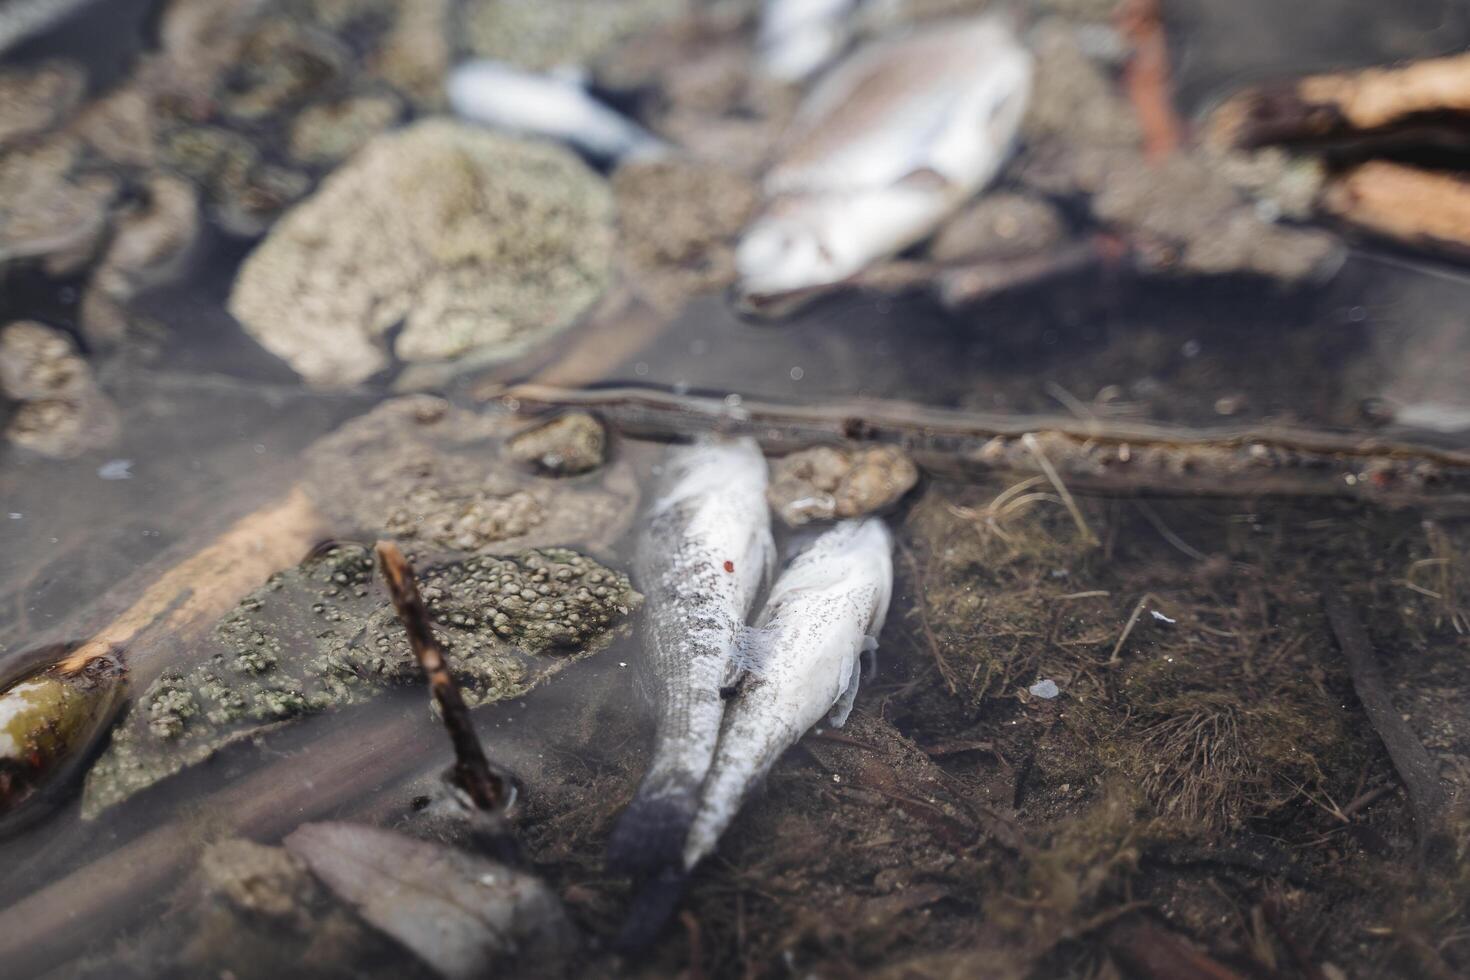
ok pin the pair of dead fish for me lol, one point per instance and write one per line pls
(702, 562)
(885, 147)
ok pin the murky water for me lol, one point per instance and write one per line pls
(1093, 716)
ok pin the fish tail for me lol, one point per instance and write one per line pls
(653, 905)
(649, 837)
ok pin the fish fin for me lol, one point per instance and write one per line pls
(572, 74)
(837, 717)
(649, 837)
(924, 179)
(870, 655)
(652, 907)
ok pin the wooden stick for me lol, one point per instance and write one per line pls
(1147, 78)
(1410, 760)
(488, 791)
(1147, 951)
(198, 590)
(1100, 457)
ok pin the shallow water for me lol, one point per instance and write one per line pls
(959, 815)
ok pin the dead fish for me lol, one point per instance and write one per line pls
(50, 724)
(798, 38)
(823, 613)
(885, 147)
(701, 562)
(556, 107)
(803, 657)
(460, 913)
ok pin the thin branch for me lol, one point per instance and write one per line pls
(488, 791)
(1410, 760)
(1107, 456)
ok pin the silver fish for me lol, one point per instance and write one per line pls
(556, 107)
(703, 559)
(797, 38)
(886, 146)
(823, 613)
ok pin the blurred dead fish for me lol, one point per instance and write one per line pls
(705, 554)
(21, 20)
(460, 913)
(555, 107)
(799, 37)
(824, 611)
(50, 721)
(886, 146)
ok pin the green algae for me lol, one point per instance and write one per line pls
(323, 635)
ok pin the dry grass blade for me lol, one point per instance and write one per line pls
(1034, 447)
(1128, 626)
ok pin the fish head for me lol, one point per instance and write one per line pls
(786, 250)
(805, 244)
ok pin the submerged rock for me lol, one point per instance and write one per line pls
(423, 472)
(50, 208)
(323, 635)
(333, 131)
(148, 242)
(461, 913)
(1185, 213)
(61, 410)
(677, 224)
(998, 227)
(33, 100)
(823, 483)
(545, 34)
(478, 245)
(570, 444)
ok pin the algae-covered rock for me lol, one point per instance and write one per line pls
(333, 131)
(32, 100)
(570, 444)
(323, 635)
(678, 221)
(543, 34)
(49, 207)
(478, 245)
(823, 483)
(430, 475)
(1185, 213)
(61, 411)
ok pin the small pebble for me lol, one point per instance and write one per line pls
(116, 469)
(1046, 689)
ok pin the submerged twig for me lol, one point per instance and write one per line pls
(488, 791)
(922, 595)
(1128, 627)
(1147, 77)
(1147, 951)
(1410, 760)
(188, 597)
(1098, 457)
